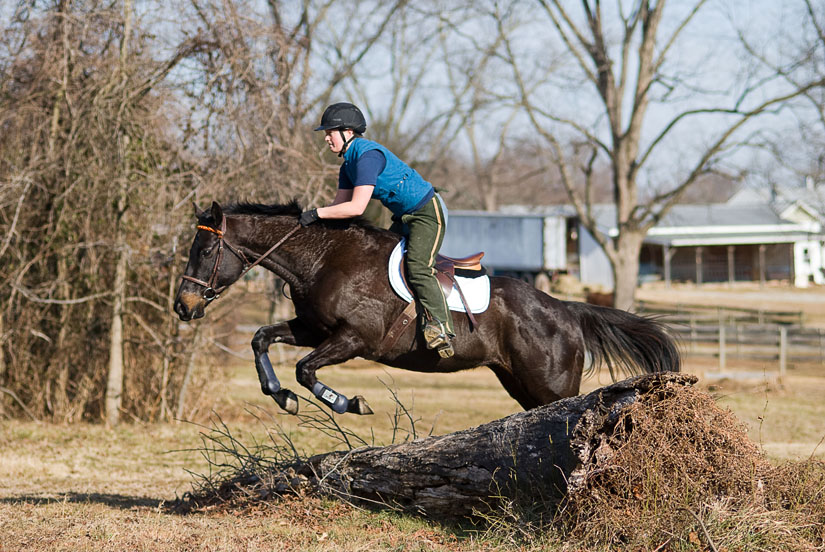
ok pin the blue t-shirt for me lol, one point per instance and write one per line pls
(370, 165)
(399, 187)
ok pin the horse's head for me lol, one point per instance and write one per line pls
(213, 265)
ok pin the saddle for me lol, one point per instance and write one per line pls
(468, 270)
(448, 267)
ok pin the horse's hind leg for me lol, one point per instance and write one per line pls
(339, 347)
(515, 388)
(542, 373)
(292, 332)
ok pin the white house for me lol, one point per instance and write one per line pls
(752, 237)
(804, 205)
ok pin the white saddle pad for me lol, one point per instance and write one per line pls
(476, 290)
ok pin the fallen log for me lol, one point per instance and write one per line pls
(645, 463)
(532, 455)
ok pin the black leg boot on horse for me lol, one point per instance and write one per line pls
(339, 347)
(292, 332)
(295, 333)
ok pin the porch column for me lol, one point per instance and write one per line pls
(762, 248)
(731, 268)
(667, 255)
(699, 265)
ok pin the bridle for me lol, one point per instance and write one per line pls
(210, 292)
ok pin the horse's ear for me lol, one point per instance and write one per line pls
(198, 210)
(217, 214)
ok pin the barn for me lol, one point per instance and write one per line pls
(749, 238)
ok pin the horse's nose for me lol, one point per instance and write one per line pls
(189, 306)
(183, 312)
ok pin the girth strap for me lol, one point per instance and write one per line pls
(408, 315)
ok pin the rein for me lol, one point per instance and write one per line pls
(210, 292)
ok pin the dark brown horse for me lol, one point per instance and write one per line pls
(337, 275)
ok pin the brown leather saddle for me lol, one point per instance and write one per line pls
(446, 270)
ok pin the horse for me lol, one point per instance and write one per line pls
(337, 272)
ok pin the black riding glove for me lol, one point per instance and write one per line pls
(308, 217)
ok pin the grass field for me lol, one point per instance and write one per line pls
(86, 487)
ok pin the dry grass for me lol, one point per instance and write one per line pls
(83, 487)
(681, 472)
(87, 488)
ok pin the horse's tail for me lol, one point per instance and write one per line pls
(625, 341)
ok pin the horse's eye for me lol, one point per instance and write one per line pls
(206, 252)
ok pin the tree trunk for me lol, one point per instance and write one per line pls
(114, 383)
(530, 456)
(2, 345)
(187, 376)
(626, 269)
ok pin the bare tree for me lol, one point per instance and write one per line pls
(111, 120)
(401, 88)
(274, 69)
(626, 57)
(85, 286)
(796, 149)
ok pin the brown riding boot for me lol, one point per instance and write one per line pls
(438, 338)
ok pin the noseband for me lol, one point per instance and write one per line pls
(210, 292)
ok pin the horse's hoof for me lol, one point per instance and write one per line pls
(287, 400)
(358, 405)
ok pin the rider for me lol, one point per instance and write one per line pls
(372, 171)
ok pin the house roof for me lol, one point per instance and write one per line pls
(785, 199)
(680, 216)
(709, 224)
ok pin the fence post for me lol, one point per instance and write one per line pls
(739, 339)
(821, 346)
(783, 351)
(693, 333)
(722, 359)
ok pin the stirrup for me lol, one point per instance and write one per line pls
(437, 338)
(446, 350)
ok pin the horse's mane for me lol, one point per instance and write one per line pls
(293, 208)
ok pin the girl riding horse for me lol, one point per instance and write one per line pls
(372, 171)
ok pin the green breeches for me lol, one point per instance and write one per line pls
(426, 229)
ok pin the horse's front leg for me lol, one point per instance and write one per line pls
(292, 332)
(339, 347)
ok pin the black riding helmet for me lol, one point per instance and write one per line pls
(342, 116)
